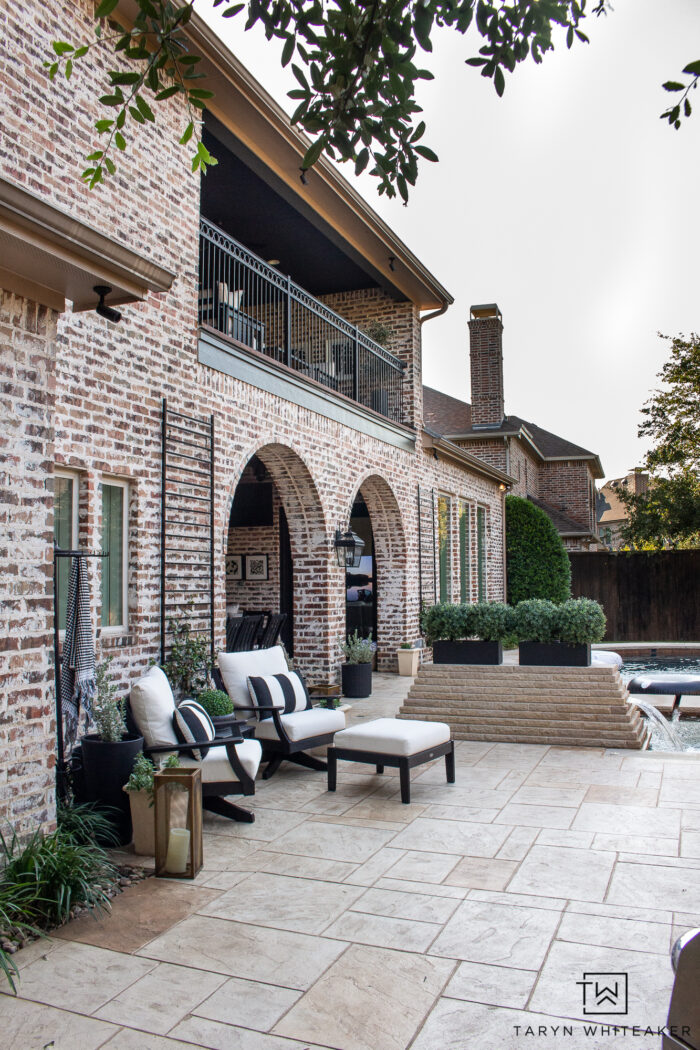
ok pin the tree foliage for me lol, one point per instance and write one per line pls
(668, 514)
(355, 62)
(537, 564)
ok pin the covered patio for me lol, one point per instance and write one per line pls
(471, 918)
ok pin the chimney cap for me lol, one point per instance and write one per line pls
(486, 310)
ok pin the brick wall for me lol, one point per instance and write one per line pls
(525, 469)
(27, 348)
(568, 486)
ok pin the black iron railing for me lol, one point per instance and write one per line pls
(251, 302)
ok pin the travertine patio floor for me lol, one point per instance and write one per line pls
(350, 921)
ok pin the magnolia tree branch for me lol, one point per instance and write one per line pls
(355, 63)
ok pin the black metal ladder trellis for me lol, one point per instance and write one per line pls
(187, 526)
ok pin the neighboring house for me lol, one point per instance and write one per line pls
(612, 511)
(216, 438)
(554, 473)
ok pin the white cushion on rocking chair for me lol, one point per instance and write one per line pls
(216, 767)
(302, 725)
(237, 667)
(152, 705)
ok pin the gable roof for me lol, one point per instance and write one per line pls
(452, 417)
(564, 525)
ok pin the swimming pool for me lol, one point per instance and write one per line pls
(687, 727)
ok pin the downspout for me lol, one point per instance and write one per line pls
(435, 313)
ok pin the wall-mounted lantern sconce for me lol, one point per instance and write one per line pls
(392, 263)
(110, 314)
(348, 548)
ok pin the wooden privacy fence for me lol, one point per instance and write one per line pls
(647, 596)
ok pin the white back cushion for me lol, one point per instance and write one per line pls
(153, 705)
(236, 668)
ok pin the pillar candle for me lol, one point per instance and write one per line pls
(178, 849)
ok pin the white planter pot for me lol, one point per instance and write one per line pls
(409, 661)
(143, 821)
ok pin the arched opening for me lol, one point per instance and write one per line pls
(277, 554)
(377, 598)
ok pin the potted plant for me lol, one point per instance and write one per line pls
(108, 754)
(219, 706)
(356, 672)
(467, 634)
(409, 659)
(139, 788)
(189, 664)
(558, 635)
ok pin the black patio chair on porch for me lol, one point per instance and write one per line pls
(233, 626)
(271, 630)
(247, 633)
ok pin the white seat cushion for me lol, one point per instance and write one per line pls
(236, 668)
(605, 658)
(393, 736)
(302, 725)
(216, 767)
(153, 705)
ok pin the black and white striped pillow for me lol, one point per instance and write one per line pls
(193, 725)
(273, 690)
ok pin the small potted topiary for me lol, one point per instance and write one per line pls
(139, 788)
(108, 754)
(467, 634)
(219, 706)
(408, 656)
(577, 624)
(356, 672)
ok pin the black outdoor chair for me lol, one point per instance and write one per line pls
(233, 626)
(248, 633)
(271, 631)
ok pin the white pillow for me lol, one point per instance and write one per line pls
(236, 668)
(153, 705)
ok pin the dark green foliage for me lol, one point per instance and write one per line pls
(535, 620)
(189, 663)
(487, 621)
(537, 564)
(668, 514)
(215, 702)
(580, 621)
(43, 877)
(356, 67)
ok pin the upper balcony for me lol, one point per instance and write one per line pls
(252, 304)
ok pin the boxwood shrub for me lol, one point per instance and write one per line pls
(488, 621)
(535, 620)
(537, 564)
(580, 621)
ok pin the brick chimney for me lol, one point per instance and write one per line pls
(486, 358)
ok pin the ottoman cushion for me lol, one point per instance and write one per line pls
(393, 736)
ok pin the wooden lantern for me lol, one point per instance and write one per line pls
(178, 822)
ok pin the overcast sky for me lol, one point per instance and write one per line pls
(568, 202)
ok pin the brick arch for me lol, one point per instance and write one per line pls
(391, 563)
(315, 629)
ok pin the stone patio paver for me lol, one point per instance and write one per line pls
(351, 921)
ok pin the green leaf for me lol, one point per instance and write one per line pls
(103, 125)
(95, 156)
(119, 140)
(231, 11)
(693, 68)
(499, 81)
(426, 152)
(673, 85)
(105, 8)
(144, 108)
(168, 92)
(110, 165)
(288, 51)
(200, 93)
(313, 153)
(111, 100)
(81, 51)
(136, 115)
(69, 68)
(61, 48)
(117, 77)
(188, 133)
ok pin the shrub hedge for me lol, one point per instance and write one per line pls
(576, 621)
(537, 564)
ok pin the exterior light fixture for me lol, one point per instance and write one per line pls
(103, 290)
(303, 178)
(502, 487)
(348, 548)
(392, 261)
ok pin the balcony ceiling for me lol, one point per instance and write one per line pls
(247, 200)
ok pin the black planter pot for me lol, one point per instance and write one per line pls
(465, 652)
(554, 654)
(356, 680)
(106, 769)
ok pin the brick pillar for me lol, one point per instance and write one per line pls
(27, 722)
(486, 359)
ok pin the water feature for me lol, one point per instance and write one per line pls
(680, 732)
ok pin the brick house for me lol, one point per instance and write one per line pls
(234, 419)
(612, 512)
(557, 475)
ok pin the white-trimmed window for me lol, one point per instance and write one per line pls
(115, 539)
(444, 524)
(481, 554)
(465, 588)
(65, 532)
